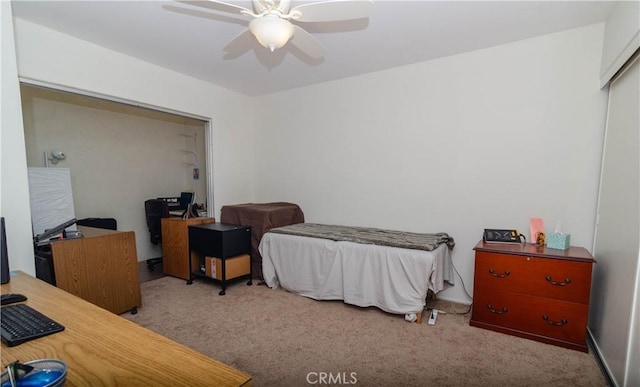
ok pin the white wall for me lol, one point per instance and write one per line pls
(46, 56)
(484, 139)
(14, 185)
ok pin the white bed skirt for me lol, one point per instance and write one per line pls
(395, 280)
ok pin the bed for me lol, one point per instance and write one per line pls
(391, 270)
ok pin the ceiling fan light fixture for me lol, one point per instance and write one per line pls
(271, 31)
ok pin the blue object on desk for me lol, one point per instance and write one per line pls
(45, 373)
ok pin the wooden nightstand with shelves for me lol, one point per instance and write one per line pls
(533, 292)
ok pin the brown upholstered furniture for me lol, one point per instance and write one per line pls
(261, 217)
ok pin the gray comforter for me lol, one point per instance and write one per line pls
(366, 235)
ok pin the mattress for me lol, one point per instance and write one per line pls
(393, 279)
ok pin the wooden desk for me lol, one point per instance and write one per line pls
(102, 349)
(101, 268)
(175, 245)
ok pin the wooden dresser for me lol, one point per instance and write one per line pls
(533, 292)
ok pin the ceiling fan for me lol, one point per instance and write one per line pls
(272, 26)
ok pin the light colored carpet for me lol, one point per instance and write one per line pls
(282, 339)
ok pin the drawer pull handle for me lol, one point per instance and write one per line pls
(567, 281)
(503, 311)
(558, 324)
(493, 273)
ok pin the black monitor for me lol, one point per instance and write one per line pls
(186, 198)
(4, 257)
(51, 232)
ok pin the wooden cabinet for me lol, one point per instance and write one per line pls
(101, 268)
(175, 245)
(533, 292)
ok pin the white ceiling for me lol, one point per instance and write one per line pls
(190, 39)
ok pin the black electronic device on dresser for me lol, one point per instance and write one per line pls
(220, 252)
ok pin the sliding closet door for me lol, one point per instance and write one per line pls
(613, 320)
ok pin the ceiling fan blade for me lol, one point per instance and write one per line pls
(307, 43)
(258, 7)
(284, 6)
(217, 6)
(332, 10)
(239, 45)
(205, 14)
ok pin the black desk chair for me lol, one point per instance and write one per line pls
(155, 210)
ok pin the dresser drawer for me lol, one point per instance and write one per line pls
(556, 319)
(545, 277)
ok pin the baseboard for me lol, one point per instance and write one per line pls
(455, 300)
(602, 364)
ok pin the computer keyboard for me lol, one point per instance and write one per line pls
(22, 323)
